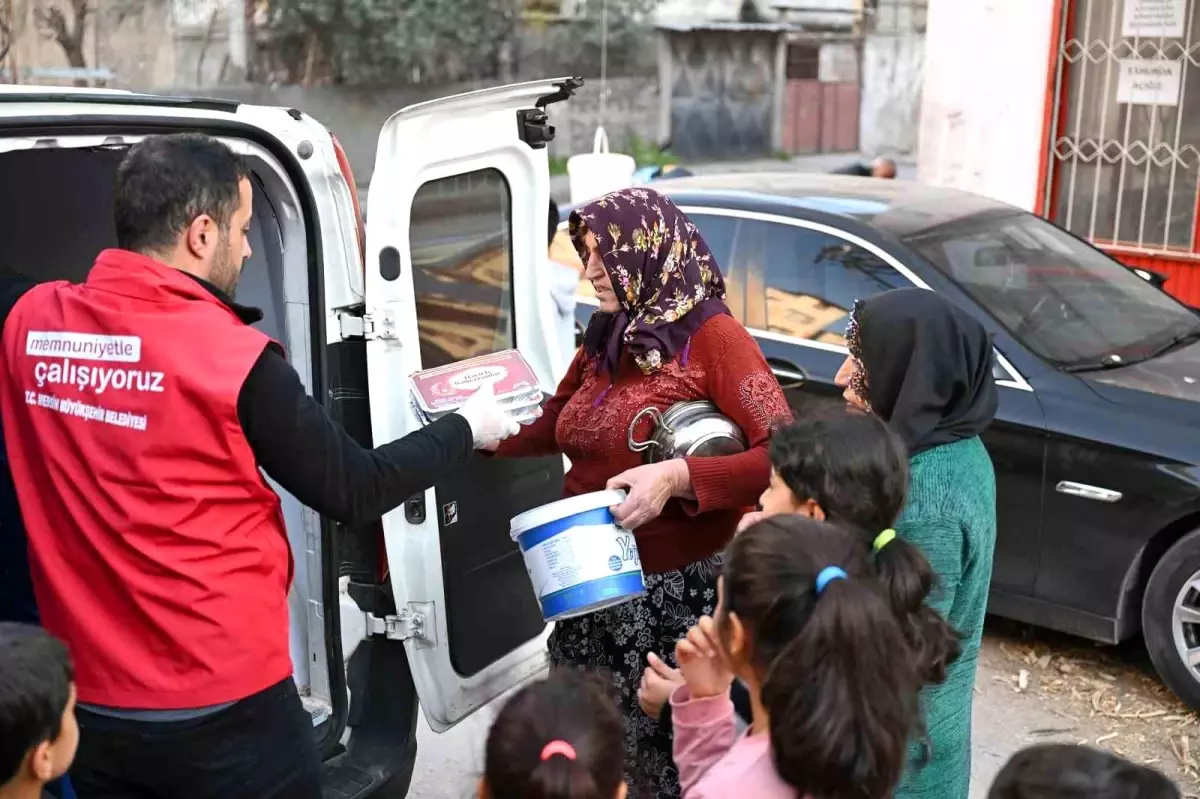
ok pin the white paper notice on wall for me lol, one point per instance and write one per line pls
(1153, 19)
(1148, 81)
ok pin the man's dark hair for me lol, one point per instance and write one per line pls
(553, 220)
(165, 182)
(35, 686)
(1066, 771)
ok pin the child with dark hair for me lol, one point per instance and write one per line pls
(852, 471)
(38, 731)
(558, 738)
(1066, 771)
(801, 622)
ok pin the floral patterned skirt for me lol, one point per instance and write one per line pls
(617, 640)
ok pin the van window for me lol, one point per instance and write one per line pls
(460, 239)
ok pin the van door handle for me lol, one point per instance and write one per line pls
(787, 373)
(1084, 491)
(414, 509)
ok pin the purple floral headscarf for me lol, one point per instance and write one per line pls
(665, 278)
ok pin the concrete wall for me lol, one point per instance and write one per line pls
(356, 115)
(630, 111)
(984, 96)
(893, 71)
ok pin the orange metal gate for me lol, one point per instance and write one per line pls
(1121, 166)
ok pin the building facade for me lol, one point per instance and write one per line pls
(1084, 111)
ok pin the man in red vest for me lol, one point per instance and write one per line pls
(138, 408)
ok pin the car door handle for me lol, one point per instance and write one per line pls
(1084, 491)
(787, 373)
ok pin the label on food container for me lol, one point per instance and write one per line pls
(448, 387)
(579, 555)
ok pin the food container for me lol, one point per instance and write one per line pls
(579, 560)
(441, 391)
(687, 429)
(446, 388)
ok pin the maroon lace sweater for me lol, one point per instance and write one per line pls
(588, 421)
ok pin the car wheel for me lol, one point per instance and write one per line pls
(1171, 618)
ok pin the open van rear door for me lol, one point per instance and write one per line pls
(456, 249)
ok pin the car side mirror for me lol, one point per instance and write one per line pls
(1156, 279)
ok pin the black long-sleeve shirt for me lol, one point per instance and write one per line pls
(309, 454)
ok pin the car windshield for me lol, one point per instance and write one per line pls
(1065, 300)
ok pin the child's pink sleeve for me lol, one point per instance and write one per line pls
(704, 731)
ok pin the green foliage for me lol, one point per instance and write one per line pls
(383, 41)
(575, 45)
(647, 153)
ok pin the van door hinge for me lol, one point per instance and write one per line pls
(368, 326)
(413, 623)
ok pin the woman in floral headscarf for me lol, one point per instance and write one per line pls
(663, 335)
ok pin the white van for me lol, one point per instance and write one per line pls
(433, 603)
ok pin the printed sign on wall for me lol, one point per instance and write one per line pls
(1148, 81)
(1153, 19)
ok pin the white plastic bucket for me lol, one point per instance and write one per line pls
(578, 559)
(599, 172)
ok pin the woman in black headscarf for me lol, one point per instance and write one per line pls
(925, 366)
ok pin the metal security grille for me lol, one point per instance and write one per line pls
(1125, 144)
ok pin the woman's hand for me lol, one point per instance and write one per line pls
(649, 489)
(751, 518)
(659, 681)
(702, 660)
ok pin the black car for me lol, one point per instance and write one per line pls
(1097, 441)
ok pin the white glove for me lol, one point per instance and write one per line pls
(489, 423)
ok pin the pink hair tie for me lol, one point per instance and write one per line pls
(558, 748)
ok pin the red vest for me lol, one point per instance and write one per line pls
(157, 550)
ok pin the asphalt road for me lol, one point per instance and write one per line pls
(449, 765)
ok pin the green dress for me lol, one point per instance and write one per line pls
(951, 516)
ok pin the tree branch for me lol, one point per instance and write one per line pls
(6, 40)
(80, 9)
(53, 24)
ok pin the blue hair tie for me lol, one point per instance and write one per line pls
(828, 575)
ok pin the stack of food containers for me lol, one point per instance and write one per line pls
(442, 390)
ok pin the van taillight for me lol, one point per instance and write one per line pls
(348, 175)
